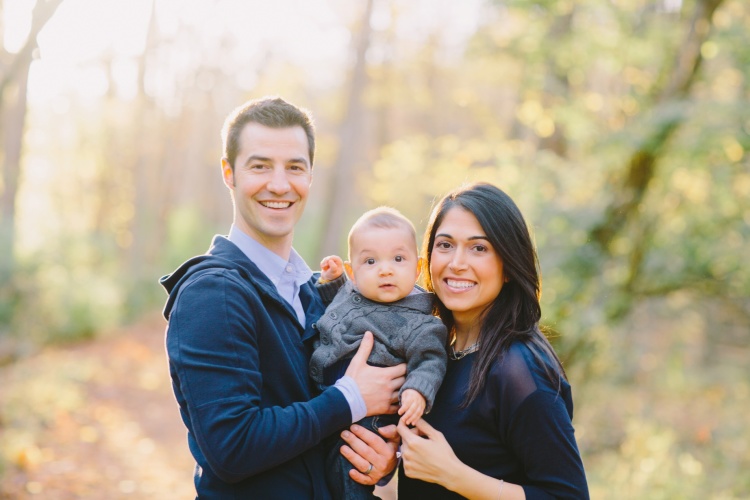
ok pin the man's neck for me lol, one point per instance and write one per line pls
(281, 246)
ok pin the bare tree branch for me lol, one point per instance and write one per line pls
(43, 12)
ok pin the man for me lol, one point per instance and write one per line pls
(241, 327)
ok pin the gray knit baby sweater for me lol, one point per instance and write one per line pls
(404, 331)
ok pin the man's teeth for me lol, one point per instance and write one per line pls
(276, 204)
(460, 284)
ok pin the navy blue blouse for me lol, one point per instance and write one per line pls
(518, 429)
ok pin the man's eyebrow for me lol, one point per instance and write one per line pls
(253, 158)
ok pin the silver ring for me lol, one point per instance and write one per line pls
(367, 472)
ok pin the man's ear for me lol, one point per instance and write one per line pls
(349, 271)
(228, 173)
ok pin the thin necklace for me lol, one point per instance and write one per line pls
(460, 354)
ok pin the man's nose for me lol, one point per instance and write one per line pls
(278, 184)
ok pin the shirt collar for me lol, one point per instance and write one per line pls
(268, 262)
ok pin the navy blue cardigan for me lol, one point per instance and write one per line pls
(238, 359)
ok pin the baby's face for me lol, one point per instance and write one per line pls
(384, 263)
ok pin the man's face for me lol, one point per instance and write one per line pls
(384, 263)
(270, 182)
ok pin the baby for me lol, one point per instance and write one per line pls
(380, 297)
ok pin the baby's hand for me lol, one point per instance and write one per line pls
(331, 267)
(412, 406)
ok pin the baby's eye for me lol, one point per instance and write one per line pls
(399, 258)
(370, 262)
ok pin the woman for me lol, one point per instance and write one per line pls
(501, 423)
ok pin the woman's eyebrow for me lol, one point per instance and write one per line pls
(445, 235)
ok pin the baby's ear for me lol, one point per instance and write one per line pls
(349, 272)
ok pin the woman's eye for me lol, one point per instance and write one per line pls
(442, 245)
(480, 248)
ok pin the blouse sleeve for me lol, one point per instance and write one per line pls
(542, 436)
(535, 418)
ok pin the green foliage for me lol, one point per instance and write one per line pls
(188, 234)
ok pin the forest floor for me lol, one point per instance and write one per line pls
(96, 420)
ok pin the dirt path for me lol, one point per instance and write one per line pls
(94, 421)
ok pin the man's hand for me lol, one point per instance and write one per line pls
(412, 406)
(331, 267)
(378, 386)
(366, 447)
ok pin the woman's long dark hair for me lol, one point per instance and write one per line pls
(515, 313)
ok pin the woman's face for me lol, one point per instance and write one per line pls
(467, 273)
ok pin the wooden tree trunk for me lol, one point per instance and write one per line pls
(14, 118)
(342, 189)
(14, 74)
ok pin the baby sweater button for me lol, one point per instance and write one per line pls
(357, 299)
(333, 315)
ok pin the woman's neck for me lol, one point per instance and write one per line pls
(465, 335)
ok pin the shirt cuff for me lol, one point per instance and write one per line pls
(350, 390)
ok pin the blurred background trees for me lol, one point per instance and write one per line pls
(620, 128)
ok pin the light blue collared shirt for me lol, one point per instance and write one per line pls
(288, 277)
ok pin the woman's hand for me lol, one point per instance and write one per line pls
(366, 448)
(428, 457)
(426, 454)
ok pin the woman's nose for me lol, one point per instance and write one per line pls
(457, 263)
